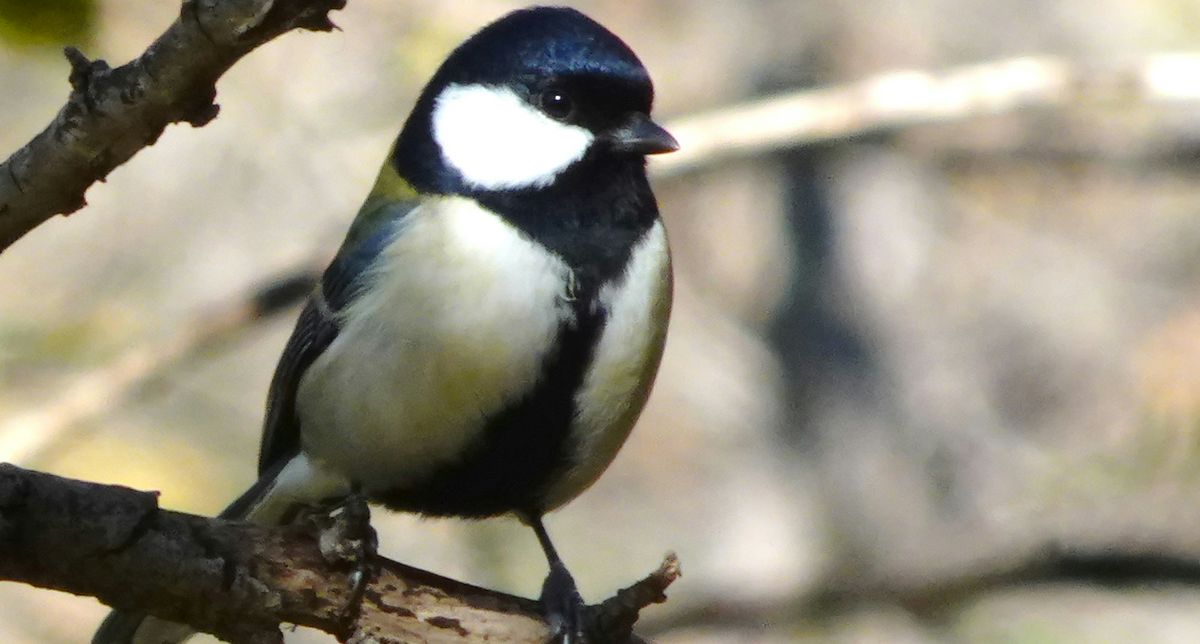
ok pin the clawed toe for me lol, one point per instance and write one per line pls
(346, 534)
(346, 538)
(563, 606)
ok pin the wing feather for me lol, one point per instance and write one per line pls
(318, 326)
(315, 330)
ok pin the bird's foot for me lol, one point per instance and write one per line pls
(346, 538)
(563, 606)
(346, 535)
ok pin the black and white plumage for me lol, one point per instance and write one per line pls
(489, 330)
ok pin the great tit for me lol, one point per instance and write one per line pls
(489, 330)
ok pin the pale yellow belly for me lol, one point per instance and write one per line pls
(623, 366)
(457, 326)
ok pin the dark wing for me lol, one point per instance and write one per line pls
(315, 330)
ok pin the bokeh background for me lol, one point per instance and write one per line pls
(903, 363)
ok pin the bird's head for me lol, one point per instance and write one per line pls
(531, 96)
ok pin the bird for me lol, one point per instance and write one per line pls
(489, 330)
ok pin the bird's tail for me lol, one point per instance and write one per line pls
(139, 628)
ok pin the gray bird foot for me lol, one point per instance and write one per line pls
(346, 535)
(563, 606)
(346, 538)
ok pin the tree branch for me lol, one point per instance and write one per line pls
(27, 434)
(112, 113)
(1118, 565)
(241, 581)
(907, 97)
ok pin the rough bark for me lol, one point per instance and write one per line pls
(241, 581)
(112, 113)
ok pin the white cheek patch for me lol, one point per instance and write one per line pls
(498, 141)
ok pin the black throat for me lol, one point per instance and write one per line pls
(591, 216)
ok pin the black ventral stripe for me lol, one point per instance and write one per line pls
(524, 447)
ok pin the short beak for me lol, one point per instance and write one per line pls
(640, 135)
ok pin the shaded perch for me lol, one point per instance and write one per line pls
(241, 581)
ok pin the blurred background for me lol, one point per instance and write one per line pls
(912, 369)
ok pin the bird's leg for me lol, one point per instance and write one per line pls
(347, 538)
(561, 602)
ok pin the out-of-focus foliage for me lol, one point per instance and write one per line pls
(46, 23)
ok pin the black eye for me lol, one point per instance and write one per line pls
(556, 104)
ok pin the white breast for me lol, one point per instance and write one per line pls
(623, 365)
(457, 325)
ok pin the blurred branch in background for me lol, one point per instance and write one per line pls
(912, 97)
(1116, 568)
(240, 581)
(886, 101)
(26, 435)
(112, 113)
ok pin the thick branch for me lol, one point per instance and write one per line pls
(240, 581)
(112, 113)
